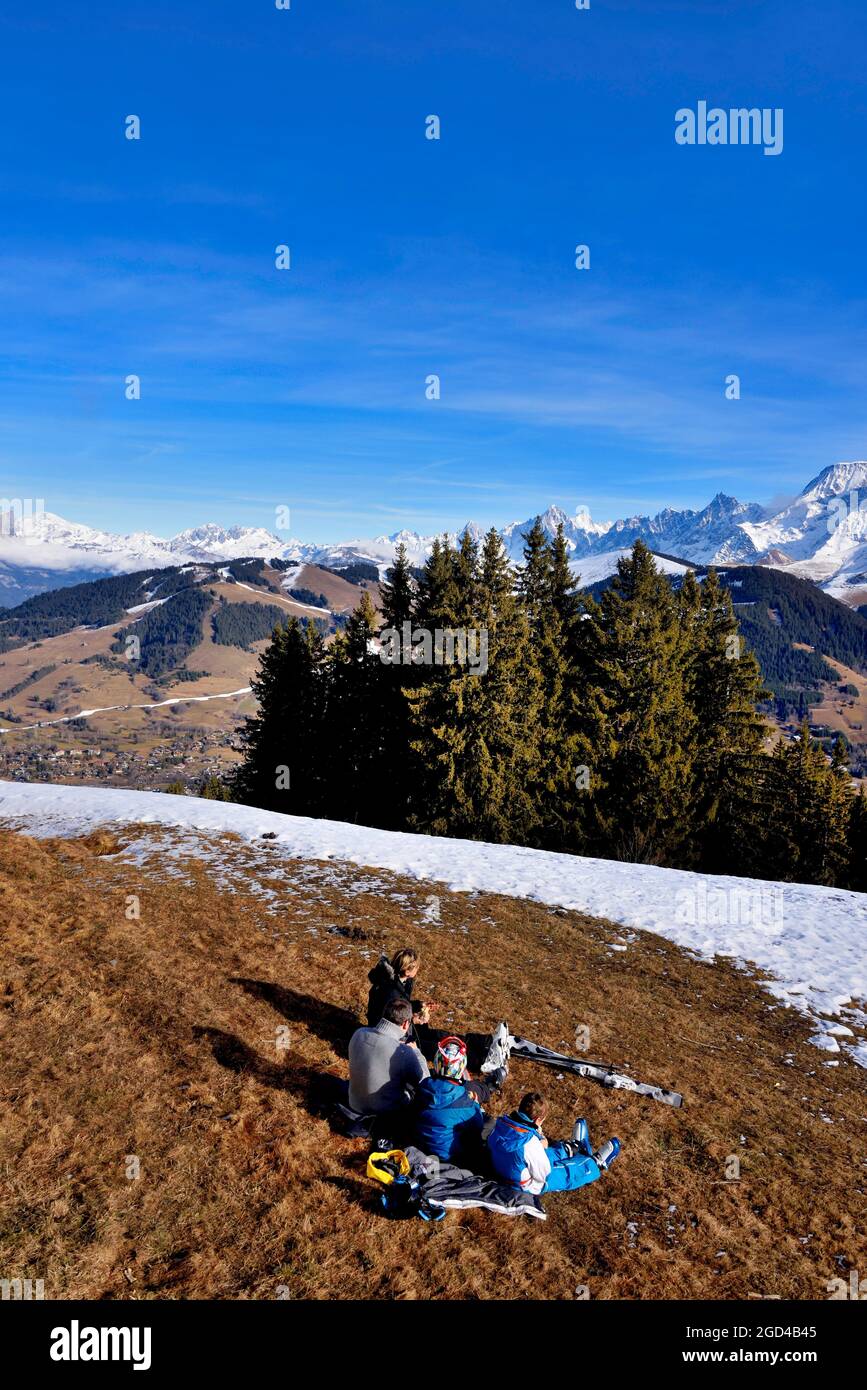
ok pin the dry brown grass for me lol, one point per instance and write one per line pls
(157, 1038)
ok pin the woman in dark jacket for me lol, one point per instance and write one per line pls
(393, 979)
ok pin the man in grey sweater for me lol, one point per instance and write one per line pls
(384, 1069)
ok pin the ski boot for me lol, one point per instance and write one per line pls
(580, 1138)
(606, 1153)
(497, 1061)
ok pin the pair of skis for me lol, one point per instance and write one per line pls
(504, 1046)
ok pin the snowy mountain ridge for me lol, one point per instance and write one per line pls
(821, 534)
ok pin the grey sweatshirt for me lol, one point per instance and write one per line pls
(381, 1067)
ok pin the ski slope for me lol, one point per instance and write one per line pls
(809, 940)
(108, 709)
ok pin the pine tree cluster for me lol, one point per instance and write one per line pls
(625, 728)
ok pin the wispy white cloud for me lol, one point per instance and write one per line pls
(244, 366)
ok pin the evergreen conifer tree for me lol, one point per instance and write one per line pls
(473, 727)
(397, 600)
(359, 790)
(283, 767)
(559, 783)
(813, 813)
(560, 584)
(856, 837)
(533, 575)
(637, 728)
(723, 686)
(396, 592)
(437, 593)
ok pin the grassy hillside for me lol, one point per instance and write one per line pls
(157, 1039)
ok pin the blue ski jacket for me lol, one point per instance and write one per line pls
(507, 1142)
(448, 1119)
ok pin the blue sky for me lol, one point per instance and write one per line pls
(305, 389)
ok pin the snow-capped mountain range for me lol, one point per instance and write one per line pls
(821, 534)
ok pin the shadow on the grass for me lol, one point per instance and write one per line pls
(333, 1025)
(318, 1091)
(336, 1026)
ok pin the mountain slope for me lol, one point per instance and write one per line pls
(78, 701)
(774, 926)
(63, 652)
(790, 624)
(207, 1036)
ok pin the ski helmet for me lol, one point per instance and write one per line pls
(451, 1059)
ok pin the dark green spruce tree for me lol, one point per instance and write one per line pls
(283, 768)
(636, 724)
(558, 782)
(397, 591)
(722, 686)
(436, 599)
(447, 592)
(812, 814)
(358, 784)
(503, 708)
(533, 574)
(856, 841)
(397, 602)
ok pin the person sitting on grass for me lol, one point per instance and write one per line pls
(522, 1157)
(383, 1071)
(448, 1116)
(393, 979)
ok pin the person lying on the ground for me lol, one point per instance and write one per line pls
(383, 1071)
(522, 1156)
(448, 1116)
(393, 979)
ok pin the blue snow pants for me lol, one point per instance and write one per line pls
(568, 1173)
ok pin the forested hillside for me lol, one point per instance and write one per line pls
(169, 633)
(627, 728)
(357, 572)
(777, 610)
(241, 624)
(95, 603)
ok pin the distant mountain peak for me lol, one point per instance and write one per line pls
(837, 479)
(46, 550)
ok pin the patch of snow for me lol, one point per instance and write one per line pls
(268, 596)
(837, 1030)
(143, 607)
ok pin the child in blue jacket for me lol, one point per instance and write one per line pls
(449, 1118)
(522, 1157)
